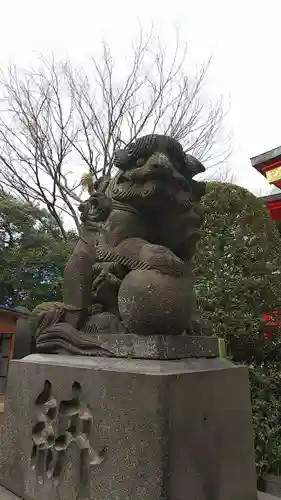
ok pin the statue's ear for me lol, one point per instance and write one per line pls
(193, 166)
(121, 159)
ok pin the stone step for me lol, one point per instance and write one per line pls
(262, 496)
(7, 495)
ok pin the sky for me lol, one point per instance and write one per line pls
(242, 35)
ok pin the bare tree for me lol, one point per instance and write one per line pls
(59, 115)
(36, 135)
(156, 95)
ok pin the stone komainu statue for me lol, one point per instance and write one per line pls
(130, 270)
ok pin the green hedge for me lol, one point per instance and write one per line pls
(237, 267)
(238, 276)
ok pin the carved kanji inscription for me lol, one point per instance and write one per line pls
(60, 424)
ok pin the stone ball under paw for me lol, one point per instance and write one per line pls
(153, 303)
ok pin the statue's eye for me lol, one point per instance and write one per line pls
(140, 162)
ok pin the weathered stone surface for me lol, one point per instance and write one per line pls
(64, 339)
(158, 346)
(153, 430)
(130, 271)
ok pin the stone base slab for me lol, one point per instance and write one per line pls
(266, 496)
(7, 495)
(110, 429)
(158, 346)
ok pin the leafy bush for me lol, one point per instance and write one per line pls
(238, 271)
(238, 268)
(266, 407)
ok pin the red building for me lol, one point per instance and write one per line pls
(273, 203)
(269, 165)
(10, 344)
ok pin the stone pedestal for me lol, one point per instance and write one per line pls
(127, 429)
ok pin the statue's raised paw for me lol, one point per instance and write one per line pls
(161, 259)
(150, 256)
(154, 303)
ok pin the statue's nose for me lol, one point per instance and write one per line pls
(160, 159)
